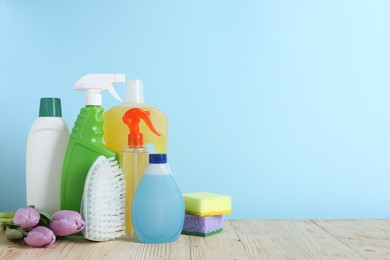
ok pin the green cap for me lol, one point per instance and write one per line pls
(50, 107)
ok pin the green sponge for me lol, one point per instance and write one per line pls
(207, 204)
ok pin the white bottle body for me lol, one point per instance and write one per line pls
(45, 152)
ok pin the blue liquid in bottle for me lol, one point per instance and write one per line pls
(158, 205)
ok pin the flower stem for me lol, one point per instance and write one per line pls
(7, 217)
(6, 220)
(9, 214)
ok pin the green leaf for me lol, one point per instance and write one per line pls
(10, 225)
(44, 215)
(14, 233)
(43, 222)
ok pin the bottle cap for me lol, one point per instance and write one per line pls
(134, 92)
(157, 158)
(50, 107)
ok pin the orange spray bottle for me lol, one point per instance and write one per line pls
(135, 158)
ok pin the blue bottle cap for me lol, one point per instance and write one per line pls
(157, 158)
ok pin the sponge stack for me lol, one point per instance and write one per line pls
(204, 212)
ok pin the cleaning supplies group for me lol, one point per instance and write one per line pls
(100, 177)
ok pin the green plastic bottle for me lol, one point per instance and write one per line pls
(86, 140)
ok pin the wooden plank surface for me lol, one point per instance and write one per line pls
(240, 239)
(369, 238)
(286, 239)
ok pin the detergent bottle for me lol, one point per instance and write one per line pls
(86, 140)
(115, 132)
(135, 158)
(158, 205)
(45, 151)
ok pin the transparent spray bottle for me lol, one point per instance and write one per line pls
(115, 132)
(134, 158)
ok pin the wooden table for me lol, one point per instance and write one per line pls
(241, 239)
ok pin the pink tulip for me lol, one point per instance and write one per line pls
(40, 237)
(26, 217)
(66, 222)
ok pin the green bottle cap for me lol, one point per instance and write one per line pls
(50, 107)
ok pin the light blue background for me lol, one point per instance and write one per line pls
(284, 105)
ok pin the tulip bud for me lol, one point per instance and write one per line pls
(66, 222)
(26, 217)
(40, 237)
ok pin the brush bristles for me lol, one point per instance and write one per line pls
(104, 212)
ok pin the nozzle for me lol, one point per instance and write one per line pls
(132, 119)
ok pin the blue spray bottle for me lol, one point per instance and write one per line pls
(158, 205)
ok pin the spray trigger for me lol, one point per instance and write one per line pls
(132, 119)
(95, 84)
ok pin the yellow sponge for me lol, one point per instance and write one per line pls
(207, 204)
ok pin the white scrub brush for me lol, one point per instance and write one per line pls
(103, 204)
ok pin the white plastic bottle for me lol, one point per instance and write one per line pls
(45, 152)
